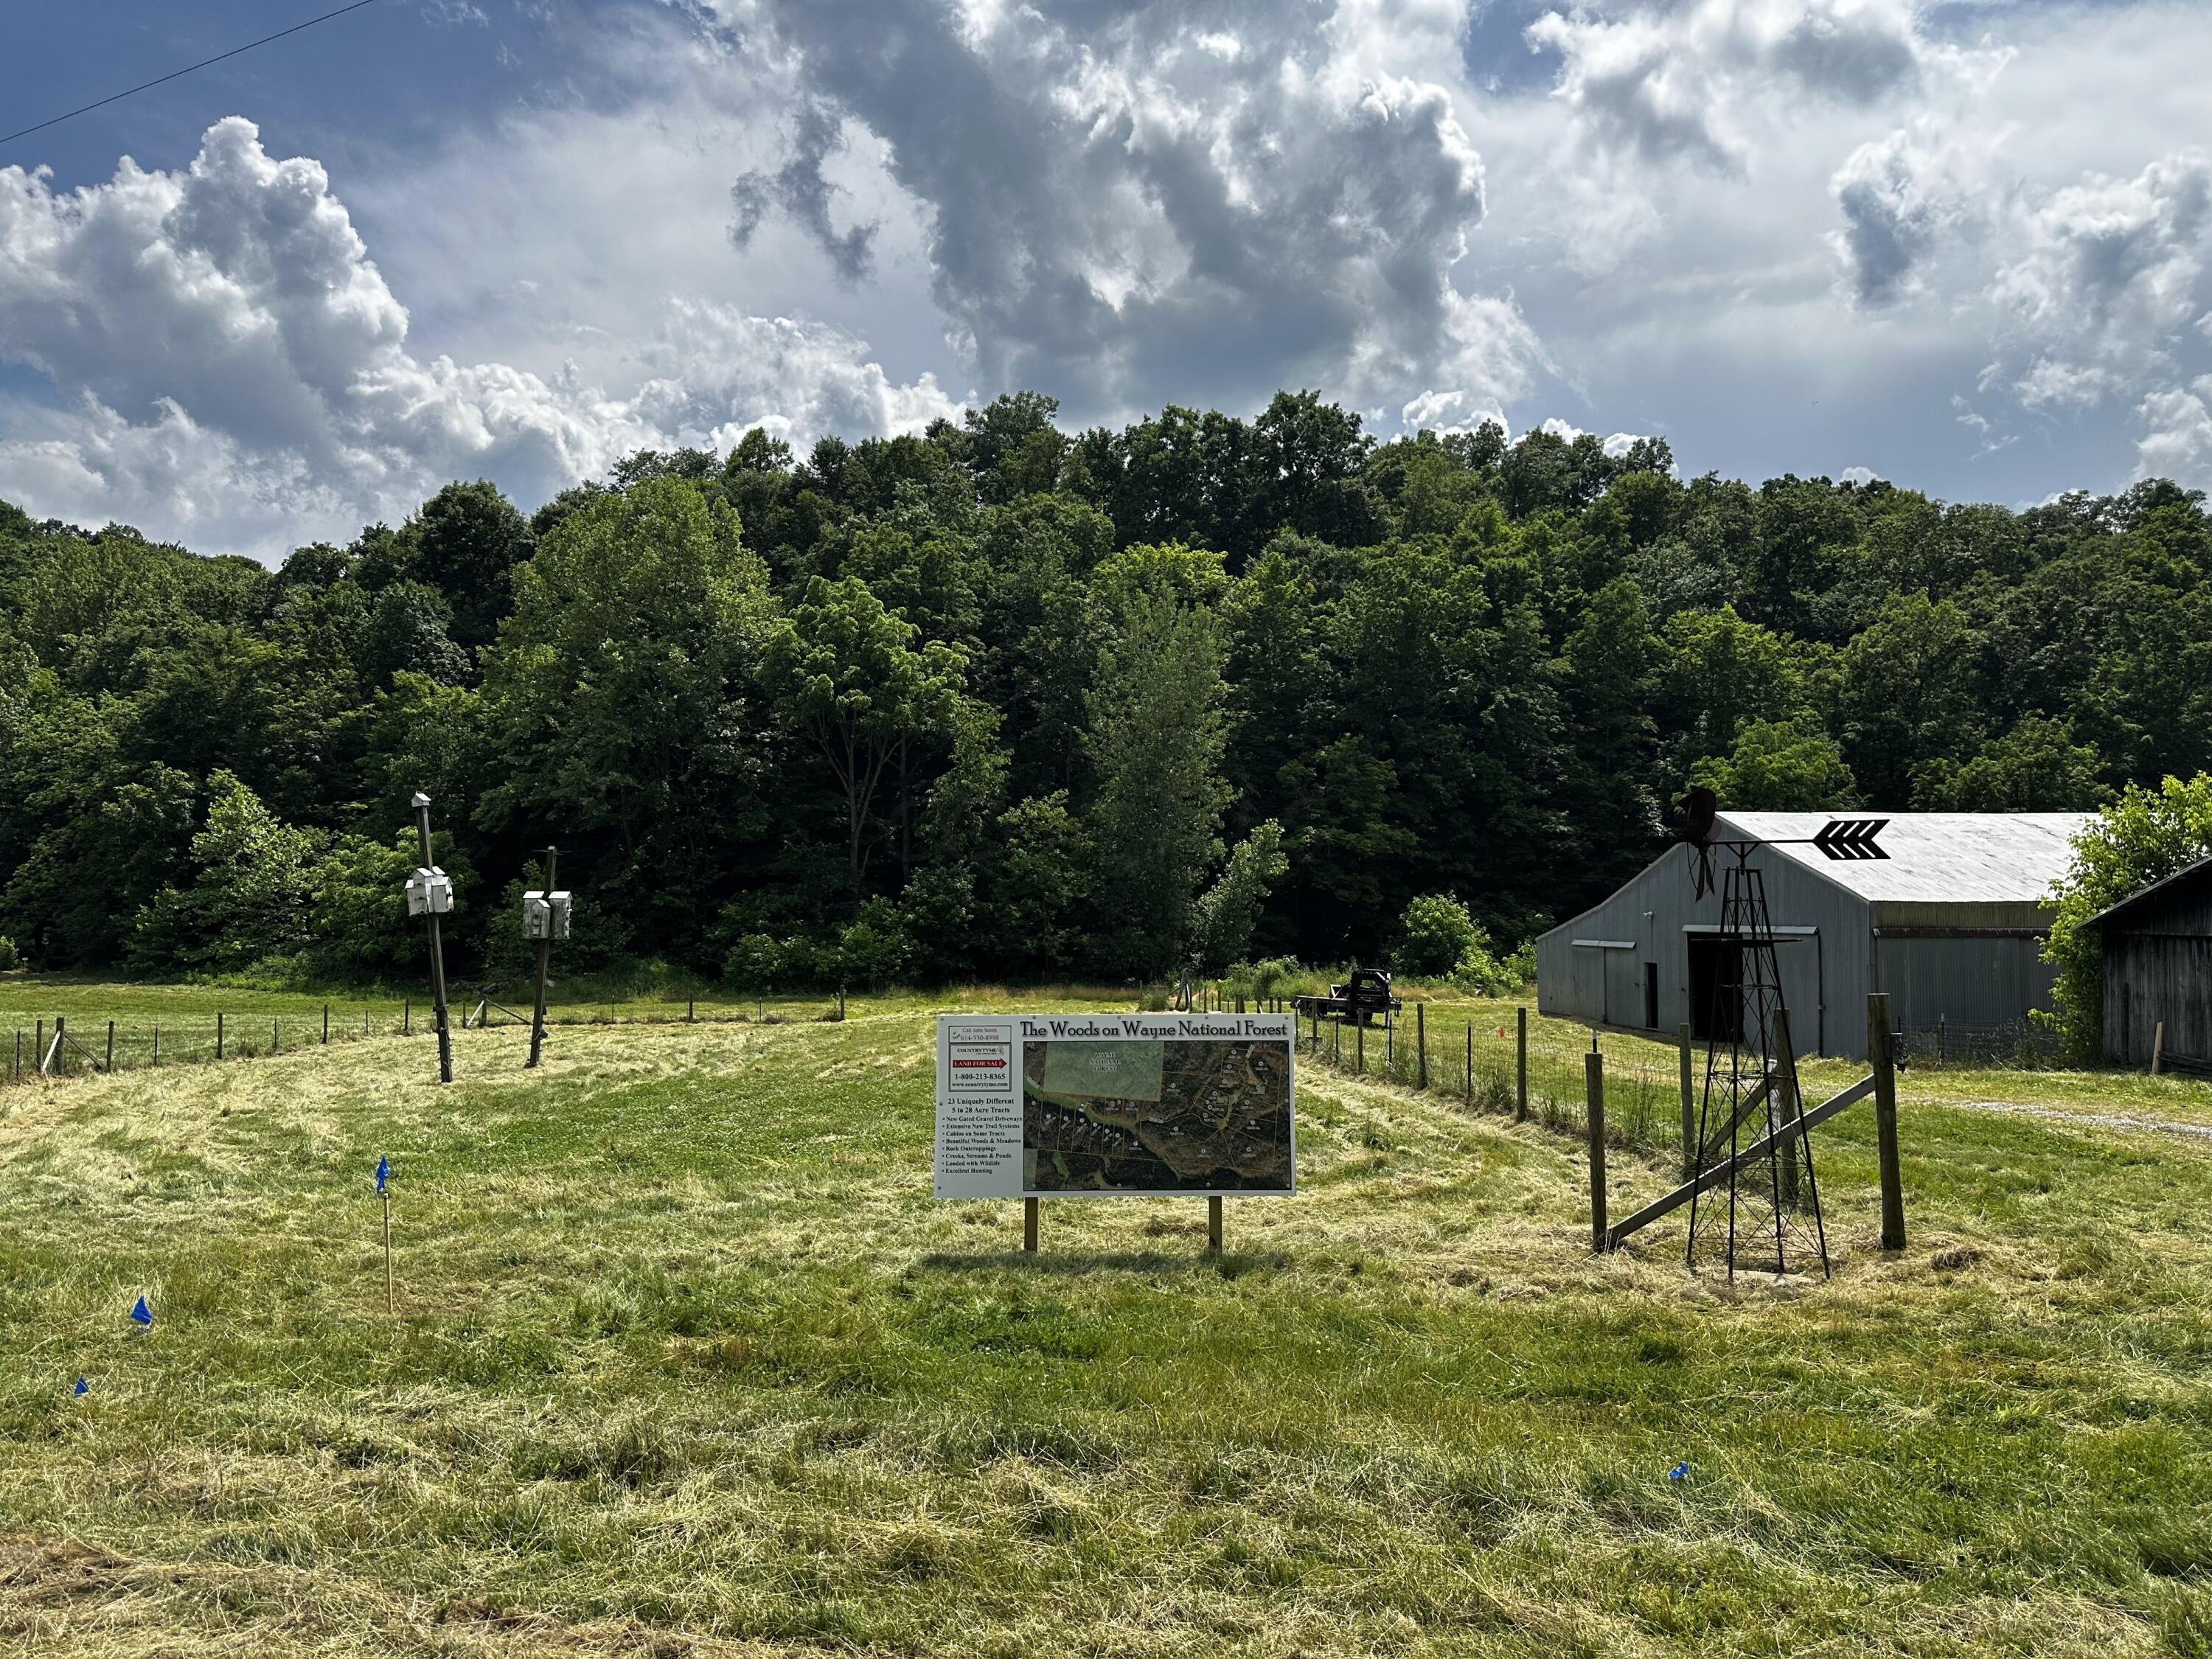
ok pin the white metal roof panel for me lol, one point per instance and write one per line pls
(1935, 858)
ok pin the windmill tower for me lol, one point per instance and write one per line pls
(1771, 1221)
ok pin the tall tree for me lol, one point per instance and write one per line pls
(846, 674)
(1155, 742)
(620, 702)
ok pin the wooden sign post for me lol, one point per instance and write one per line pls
(544, 963)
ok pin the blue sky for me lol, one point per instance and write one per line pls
(1963, 246)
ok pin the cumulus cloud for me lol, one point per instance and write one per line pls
(1129, 204)
(2098, 289)
(1667, 83)
(2111, 270)
(1898, 195)
(231, 361)
(2176, 426)
(1449, 411)
(801, 191)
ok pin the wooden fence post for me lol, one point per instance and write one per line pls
(1593, 1092)
(39, 1047)
(1470, 1060)
(275, 1039)
(1359, 1046)
(218, 1036)
(1885, 1120)
(2158, 1048)
(326, 1023)
(1521, 1066)
(111, 1045)
(1213, 1225)
(157, 1044)
(1030, 1224)
(1682, 1042)
(61, 1045)
(1421, 1044)
(1783, 1092)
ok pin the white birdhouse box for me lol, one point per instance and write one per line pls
(545, 915)
(429, 893)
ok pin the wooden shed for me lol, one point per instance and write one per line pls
(2158, 971)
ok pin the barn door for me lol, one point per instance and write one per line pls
(1715, 988)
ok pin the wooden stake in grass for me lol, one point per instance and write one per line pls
(1521, 1066)
(1594, 1084)
(1682, 1041)
(1029, 1226)
(1213, 1225)
(384, 1193)
(1885, 1120)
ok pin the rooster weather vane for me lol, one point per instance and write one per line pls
(1748, 1120)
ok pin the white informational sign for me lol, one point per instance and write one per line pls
(1103, 1105)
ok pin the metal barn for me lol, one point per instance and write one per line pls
(2158, 971)
(1951, 924)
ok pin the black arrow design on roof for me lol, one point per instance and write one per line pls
(1851, 838)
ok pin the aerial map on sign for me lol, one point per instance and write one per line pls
(1156, 1117)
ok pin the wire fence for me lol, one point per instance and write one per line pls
(2013, 1045)
(1481, 1073)
(73, 1045)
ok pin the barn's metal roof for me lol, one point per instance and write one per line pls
(1935, 858)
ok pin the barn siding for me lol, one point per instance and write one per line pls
(1975, 983)
(1973, 980)
(2158, 969)
(2154, 978)
(1655, 911)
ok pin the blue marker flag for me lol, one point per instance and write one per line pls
(1680, 1472)
(383, 1172)
(83, 1387)
(141, 1314)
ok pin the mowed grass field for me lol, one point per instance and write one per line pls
(687, 1361)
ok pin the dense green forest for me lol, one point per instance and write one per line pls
(1005, 701)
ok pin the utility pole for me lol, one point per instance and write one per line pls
(544, 958)
(430, 894)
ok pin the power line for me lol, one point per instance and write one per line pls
(117, 97)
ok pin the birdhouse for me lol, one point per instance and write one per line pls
(429, 893)
(545, 915)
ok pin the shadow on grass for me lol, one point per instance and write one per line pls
(1049, 1261)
